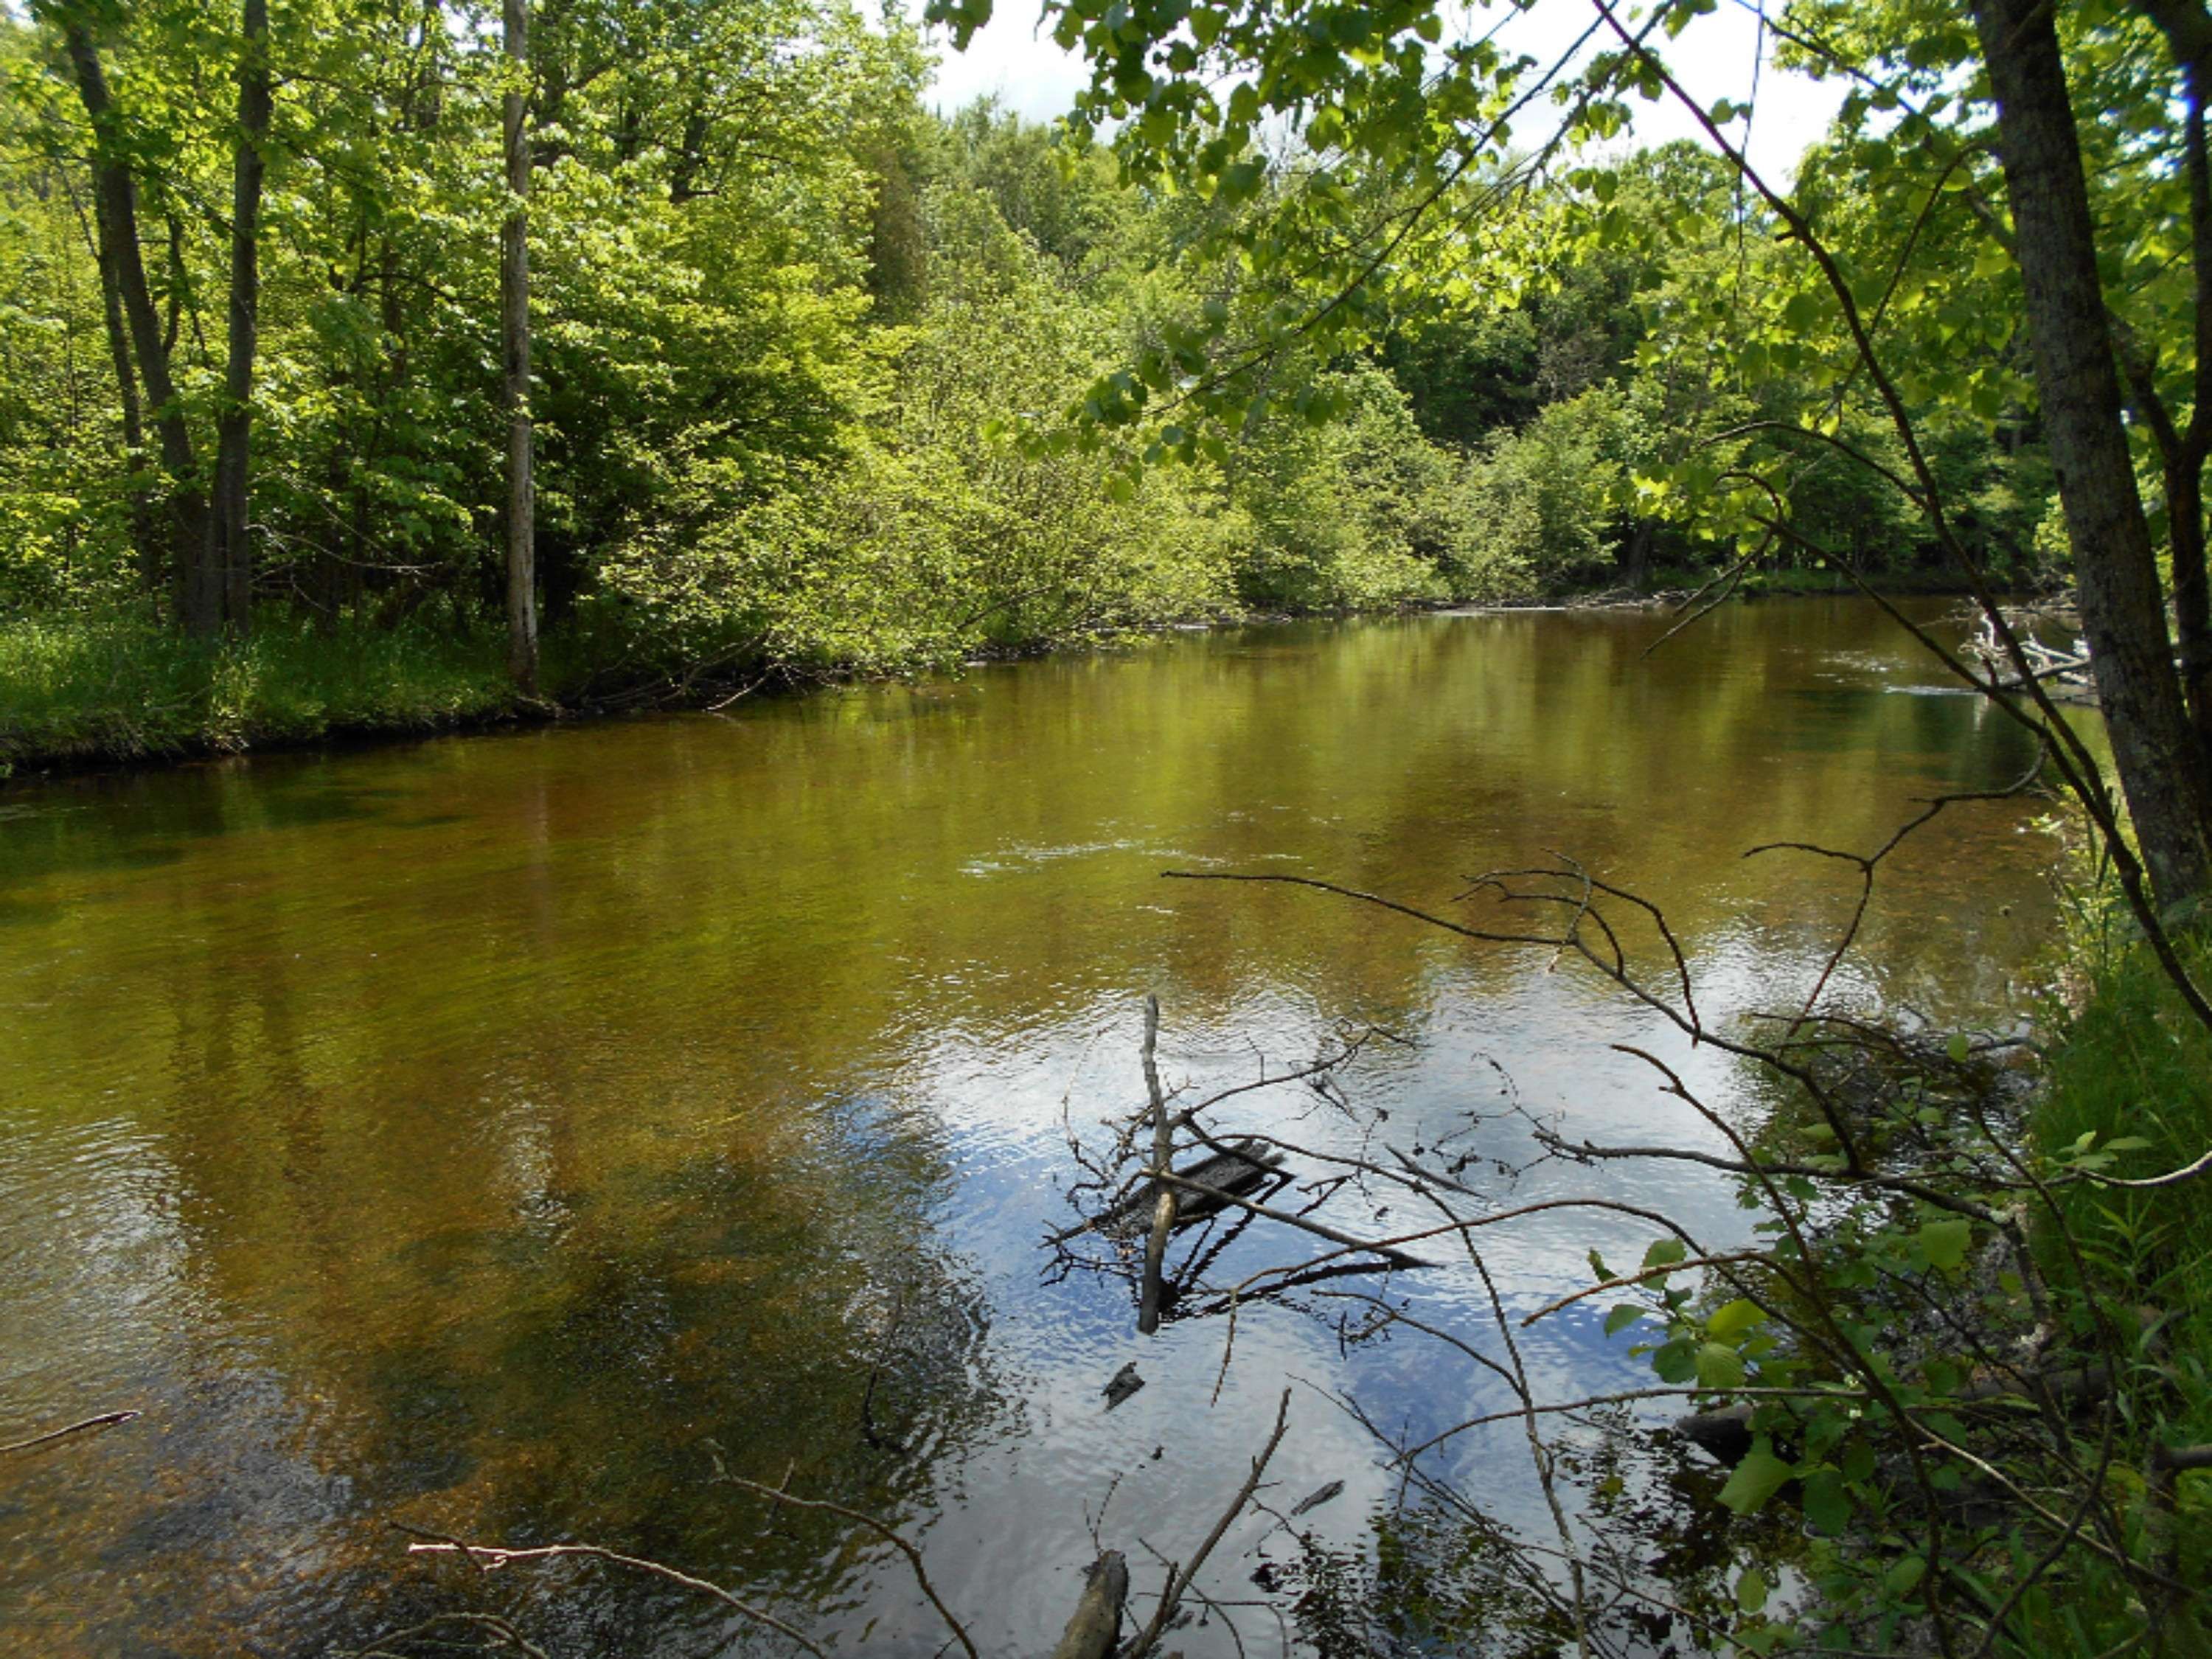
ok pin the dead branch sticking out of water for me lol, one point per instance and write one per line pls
(1181, 1577)
(490, 1557)
(106, 1420)
(1898, 1212)
(1091, 1633)
(1164, 1192)
(884, 1530)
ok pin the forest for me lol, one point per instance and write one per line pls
(801, 362)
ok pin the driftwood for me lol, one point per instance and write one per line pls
(1090, 1634)
(1246, 1166)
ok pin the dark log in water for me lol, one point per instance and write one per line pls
(1247, 1164)
(1097, 1621)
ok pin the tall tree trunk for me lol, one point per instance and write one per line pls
(514, 327)
(230, 551)
(2187, 26)
(2162, 767)
(115, 213)
(145, 540)
(1637, 563)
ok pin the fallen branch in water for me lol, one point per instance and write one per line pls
(1179, 1578)
(1097, 1619)
(488, 1558)
(881, 1529)
(1319, 1230)
(103, 1421)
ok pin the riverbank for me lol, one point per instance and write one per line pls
(2040, 1313)
(121, 691)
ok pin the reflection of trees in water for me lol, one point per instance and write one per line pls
(752, 1330)
(494, 1084)
(528, 1333)
(1439, 1573)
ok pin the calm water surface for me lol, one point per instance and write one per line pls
(507, 1135)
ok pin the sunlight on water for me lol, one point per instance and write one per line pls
(506, 1134)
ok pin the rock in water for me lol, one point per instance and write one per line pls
(1315, 1500)
(1126, 1383)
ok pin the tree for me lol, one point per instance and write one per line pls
(2164, 764)
(227, 569)
(122, 273)
(514, 334)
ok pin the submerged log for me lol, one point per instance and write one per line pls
(1247, 1164)
(1725, 1434)
(1092, 1632)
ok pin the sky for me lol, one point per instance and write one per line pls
(1015, 59)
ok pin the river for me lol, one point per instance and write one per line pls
(508, 1135)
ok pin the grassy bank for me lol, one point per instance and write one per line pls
(116, 688)
(113, 688)
(2129, 1064)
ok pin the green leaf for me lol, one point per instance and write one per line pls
(1827, 1503)
(1732, 1321)
(1664, 1252)
(1755, 1479)
(1719, 1366)
(1751, 1591)
(1675, 1361)
(1622, 1318)
(1944, 1243)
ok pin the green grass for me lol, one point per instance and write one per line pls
(2127, 1060)
(119, 687)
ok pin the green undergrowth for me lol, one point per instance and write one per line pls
(2126, 1092)
(2130, 1066)
(122, 688)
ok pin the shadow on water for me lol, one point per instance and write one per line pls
(508, 1136)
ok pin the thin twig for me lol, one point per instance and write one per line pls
(99, 1422)
(1179, 1579)
(490, 1559)
(882, 1529)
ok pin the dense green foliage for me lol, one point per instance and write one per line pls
(805, 362)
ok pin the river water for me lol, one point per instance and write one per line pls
(509, 1135)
